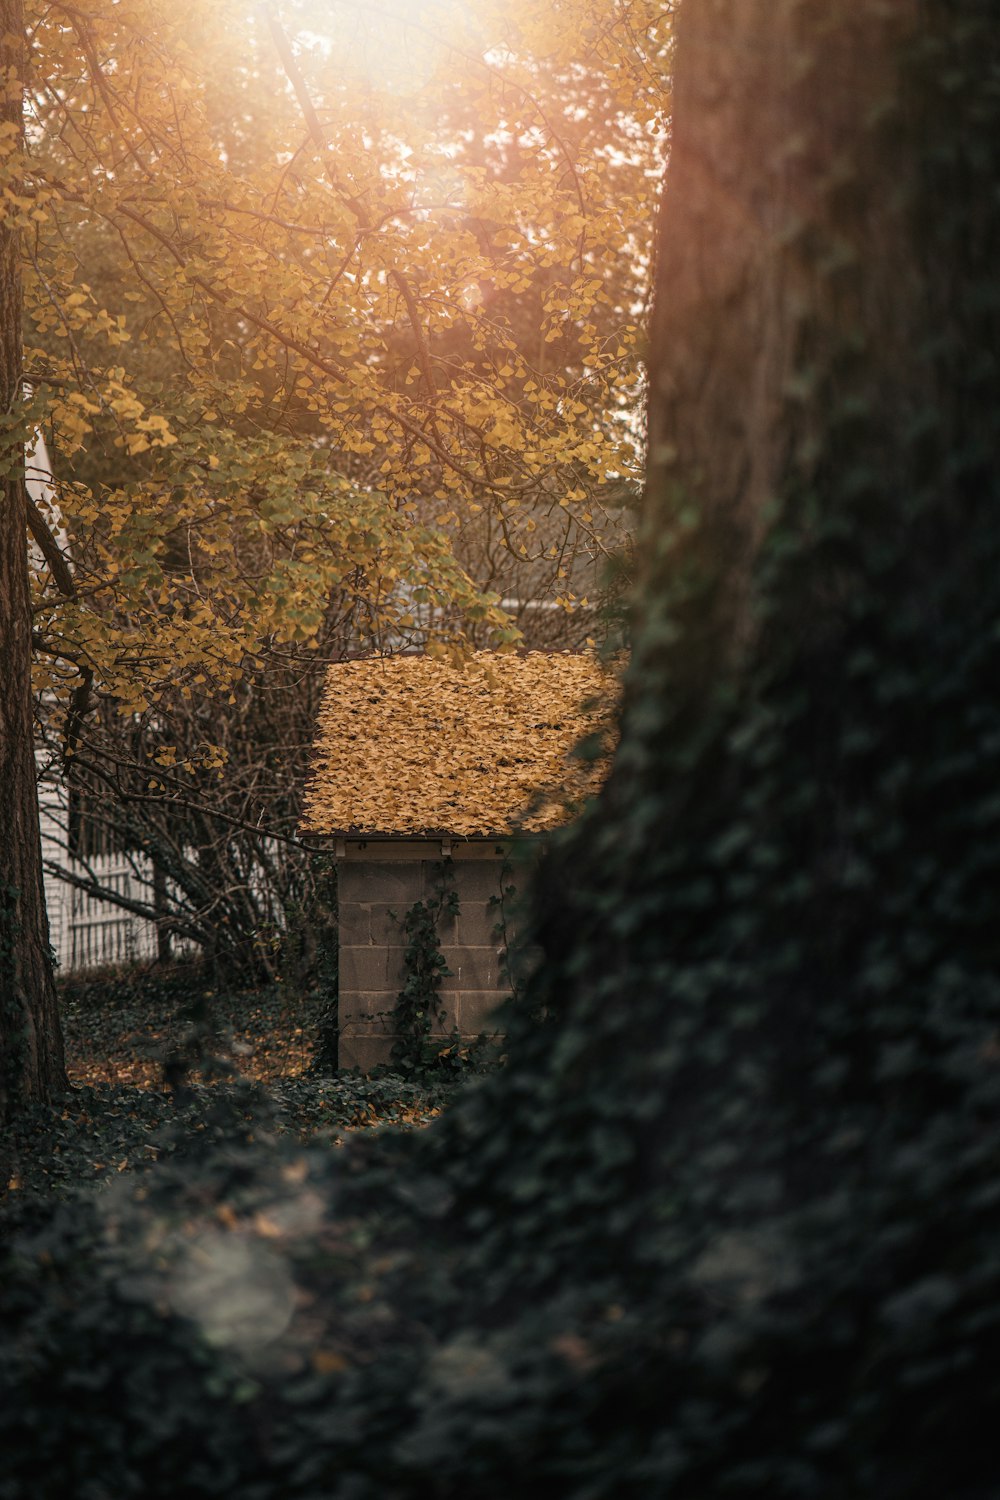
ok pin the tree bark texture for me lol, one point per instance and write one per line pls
(797, 854)
(31, 1057)
(788, 278)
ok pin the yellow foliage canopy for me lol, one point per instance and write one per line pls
(305, 293)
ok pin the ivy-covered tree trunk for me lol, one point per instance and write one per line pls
(765, 1098)
(31, 1063)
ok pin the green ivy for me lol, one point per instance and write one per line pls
(324, 909)
(513, 959)
(419, 1012)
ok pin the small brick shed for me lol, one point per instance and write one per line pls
(419, 760)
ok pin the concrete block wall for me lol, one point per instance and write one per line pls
(377, 883)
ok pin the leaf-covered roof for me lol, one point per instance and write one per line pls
(413, 745)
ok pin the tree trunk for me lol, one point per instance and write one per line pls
(31, 1059)
(781, 917)
(761, 1119)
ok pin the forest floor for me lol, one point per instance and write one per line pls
(158, 1062)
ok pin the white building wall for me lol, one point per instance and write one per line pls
(84, 933)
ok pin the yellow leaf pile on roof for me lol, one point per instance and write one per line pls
(411, 745)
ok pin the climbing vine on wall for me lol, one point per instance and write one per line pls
(510, 951)
(325, 908)
(418, 1006)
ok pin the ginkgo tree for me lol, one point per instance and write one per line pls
(337, 264)
(360, 275)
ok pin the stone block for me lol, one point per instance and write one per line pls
(370, 968)
(477, 925)
(477, 880)
(364, 1050)
(353, 924)
(369, 1015)
(366, 1008)
(385, 929)
(397, 884)
(476, 1012)
(472, 969)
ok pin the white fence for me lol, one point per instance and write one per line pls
(98, 932)
(86, 933)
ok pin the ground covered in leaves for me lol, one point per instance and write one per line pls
(159, 1059)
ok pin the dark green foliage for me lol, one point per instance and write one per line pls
(324, 917)
(773, 1095)
(161, 1069)
(418, 1012)
(729, 1224)
(419, 1050)
(103, 1129)
(152, 1017)
(508, 907)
